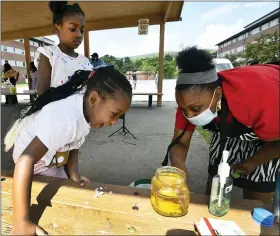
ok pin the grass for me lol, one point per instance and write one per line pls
(206, 135)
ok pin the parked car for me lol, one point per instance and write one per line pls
(222, 64)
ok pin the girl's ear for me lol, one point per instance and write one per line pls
(93, 98)
(56, 29)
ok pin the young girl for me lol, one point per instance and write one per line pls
(56, 64)
(50, 132)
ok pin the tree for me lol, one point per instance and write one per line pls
(236, 59)
(138, 64)
(127, 65)
(120, 64)
(169, 69)
(264, 50)
(168, 57)
(148, 69)
(108, 59)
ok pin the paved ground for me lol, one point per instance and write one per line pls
(121, 159)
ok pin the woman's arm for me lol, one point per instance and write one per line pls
(268, 152)
(44, 74)
(178, 152)
(22, 187)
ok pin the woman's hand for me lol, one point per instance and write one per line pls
(24, 227)
(76, 177)
(246, 167)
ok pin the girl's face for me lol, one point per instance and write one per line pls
(71, 31)
(101, 111)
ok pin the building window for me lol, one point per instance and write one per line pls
(23, 63)
(22, 51)
(6, 61)
(16, 63)
(21, 40)
(268, 24)
(4, 48)
(260, 28)
(249, 33)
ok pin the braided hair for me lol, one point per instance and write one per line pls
(106, 81)
(61, 9)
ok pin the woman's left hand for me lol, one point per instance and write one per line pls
(246, 167)
(76, 177)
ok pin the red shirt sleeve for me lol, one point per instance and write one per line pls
(181, 122)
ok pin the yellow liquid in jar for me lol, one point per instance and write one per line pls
(169, 196)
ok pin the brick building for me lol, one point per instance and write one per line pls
(13, 52)
(262, 26)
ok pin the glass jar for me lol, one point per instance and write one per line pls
(169, 192)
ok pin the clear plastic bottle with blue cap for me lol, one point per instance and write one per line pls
(221, 188)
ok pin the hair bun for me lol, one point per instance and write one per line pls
(57, 7)
(193, 59)
(77, 6)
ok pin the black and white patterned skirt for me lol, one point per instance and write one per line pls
(263, 178)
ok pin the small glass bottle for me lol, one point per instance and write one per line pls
(221, 189)
(169, 192)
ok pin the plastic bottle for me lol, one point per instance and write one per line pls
(276, 198)
(221, 189)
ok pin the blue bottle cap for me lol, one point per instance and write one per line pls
(263, 217)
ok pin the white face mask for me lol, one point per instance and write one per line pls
(204, 117)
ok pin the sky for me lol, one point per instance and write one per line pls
(203, 24)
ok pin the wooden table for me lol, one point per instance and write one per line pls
(25, 92)
(31, 93)
(63, 208)
(150, 101)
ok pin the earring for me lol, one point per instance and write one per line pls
(220, 104)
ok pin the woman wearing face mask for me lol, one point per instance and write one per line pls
(241, 108)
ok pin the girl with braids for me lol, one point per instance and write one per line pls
(49, 133)
(56, 64)
(241, 108)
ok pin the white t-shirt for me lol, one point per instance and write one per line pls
(63, 66)
(60, 125)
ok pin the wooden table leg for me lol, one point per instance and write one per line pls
(150, 102)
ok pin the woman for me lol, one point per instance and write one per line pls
(241, 107)
(33, 75)
(10, 75)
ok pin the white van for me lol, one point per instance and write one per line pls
(222, 64)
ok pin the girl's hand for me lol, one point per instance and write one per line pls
(76, 177)
(246, 167)
(25, 227)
